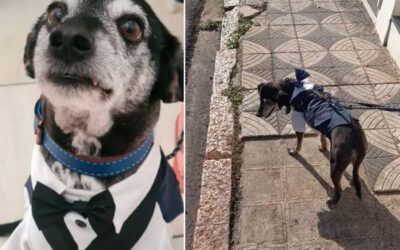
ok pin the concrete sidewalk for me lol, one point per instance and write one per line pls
(282, 203)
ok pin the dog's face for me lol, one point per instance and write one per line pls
(271, 97)
(113, 54)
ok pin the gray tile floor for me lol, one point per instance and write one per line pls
(18, 94)
(336, 43)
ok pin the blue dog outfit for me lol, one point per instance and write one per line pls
(309, 107)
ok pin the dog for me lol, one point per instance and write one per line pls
(98, 178)
(311, 106)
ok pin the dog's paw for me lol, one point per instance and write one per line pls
(331, 204)
(292, 151)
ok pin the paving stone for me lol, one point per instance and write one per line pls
(335, 29)
(284, 45)
(286, 60)
(257, 154)
(308, 30)
(253, 126)
(374, 57)
(345, 59)
(262, 185)
(231, 3)
(388, 177)
(309, 152)
(324, 245)
(309, 6)
(307, 182)
(256, 3)
(248, 12)
(356, 29)
(251, 100)
(317, 17)
(389, 214)
(305, 225)
(354, 219)
(356, 17)
(387, 93)
(388, 73)
(282, 32)
(372, 119)
(316, 59)
(257, 61)
(349, 6)
(280, 19)
(256, 40)
(362, 244)
(212, 227)
(278, 8)
(251, 79)
(332, 18)
(262, 223)
(261, 19)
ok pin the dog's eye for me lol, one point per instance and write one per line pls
(131, 31)
(55, 16)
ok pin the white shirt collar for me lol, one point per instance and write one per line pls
(306, 86)
(127, 194)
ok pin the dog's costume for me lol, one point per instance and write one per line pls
(131, 214)
(309, 107)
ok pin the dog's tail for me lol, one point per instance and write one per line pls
(7, 229)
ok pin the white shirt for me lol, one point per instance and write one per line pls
(298, 120)
(127, 195)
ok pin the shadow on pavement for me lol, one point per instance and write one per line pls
(357, 224)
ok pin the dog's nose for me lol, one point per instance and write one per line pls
(71, 44)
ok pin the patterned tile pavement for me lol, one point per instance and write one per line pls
(336, 43)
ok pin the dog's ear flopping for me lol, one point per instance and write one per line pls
(30, 48)
(283, 100)
(169, 85)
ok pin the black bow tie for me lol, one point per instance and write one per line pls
(49, 209)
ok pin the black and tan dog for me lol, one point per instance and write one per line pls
(98, 179)
(348, 141)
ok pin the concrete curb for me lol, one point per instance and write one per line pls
(213, 215)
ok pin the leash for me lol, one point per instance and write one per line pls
(177, 147)
(357, 105)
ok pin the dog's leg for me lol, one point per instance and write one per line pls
(336, 176)
(299, 142)
(338, 164)
(324, 143)
(356, 179)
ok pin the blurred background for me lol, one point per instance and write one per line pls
(18, 94)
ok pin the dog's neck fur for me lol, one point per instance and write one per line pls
(286, 87)
(77, 133)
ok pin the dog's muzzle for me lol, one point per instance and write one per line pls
(72, 41)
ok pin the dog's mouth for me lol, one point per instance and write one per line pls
(267, 109)
(75, 80)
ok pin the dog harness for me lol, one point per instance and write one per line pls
(309, 107)
(93, 166)
(131, 214)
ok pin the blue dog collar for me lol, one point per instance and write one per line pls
(93, 166)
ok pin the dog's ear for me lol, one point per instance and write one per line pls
(259, 87)
(169, 85)
(30, 48)
(283, 100)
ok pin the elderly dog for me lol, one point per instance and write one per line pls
(348, 141)
(104, 67)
